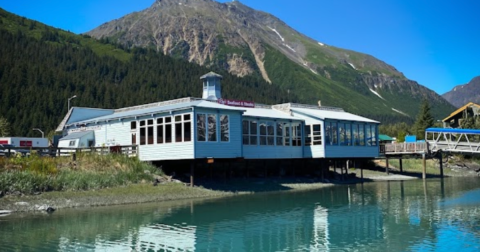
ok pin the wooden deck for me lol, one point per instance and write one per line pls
(406, 148)
(129, 150)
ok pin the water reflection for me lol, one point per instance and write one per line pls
(392, 216)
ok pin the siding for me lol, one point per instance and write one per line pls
(351, 151)
(270, 152)
(218, 149)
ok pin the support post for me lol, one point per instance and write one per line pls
(386, 165)
(401, 164)
(192, 168)
(361, 170)
(424, 162)
(441, 163)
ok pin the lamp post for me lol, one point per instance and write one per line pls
(75, 96)
(39, 130)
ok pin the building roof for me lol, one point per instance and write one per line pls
(332, 114)
(268, 113)
(384, 138)
(456, 112)
(210, 74)
(149, 110)
(76, 114)
(76, 135)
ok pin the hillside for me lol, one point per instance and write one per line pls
(41, 67)
(463, 94)
(247, 42)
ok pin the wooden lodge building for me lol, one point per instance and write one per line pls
(212, 128)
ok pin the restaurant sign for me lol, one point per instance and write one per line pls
(236, 103)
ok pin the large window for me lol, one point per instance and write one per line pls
(146, 132)
(267, 133)
(212, 127)
(201, 130)
(250, 132)
(168, 129)
(281, 134)
(359, 134)
(224, 128)
(183, 127)
(133, 132)
(345, 133)
(331, 132)
(371, 135)
(207, 127)
(296, 134)
(160, 132)
(313, 134)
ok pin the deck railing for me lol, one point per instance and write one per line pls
(406, 148)
(129, 150)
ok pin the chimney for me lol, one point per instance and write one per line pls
(211, 86)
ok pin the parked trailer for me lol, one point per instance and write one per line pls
(25, 142)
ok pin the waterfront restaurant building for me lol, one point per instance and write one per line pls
(216, 128)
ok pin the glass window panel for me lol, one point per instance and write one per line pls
(168, 133)
(186, 117)
(143, 136)
(187, 132)
(142, 123)
(245, 126)
(253, 127)
(224, 128)
(201, 130)
(160, 134)
(178, 118)
(159, 120)
(263, 128)
(178, 132)
(150, 122)
(133, 125)
(168, 119)
(212, 127)
(361, 134)
(253, 140)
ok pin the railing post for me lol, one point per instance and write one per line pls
(424, 162)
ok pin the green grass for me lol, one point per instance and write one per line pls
(29, 175)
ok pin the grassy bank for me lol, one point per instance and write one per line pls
(34, 174)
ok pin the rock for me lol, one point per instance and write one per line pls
(45, 208)
(21, 203)
(5, 212)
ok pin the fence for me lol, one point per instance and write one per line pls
(129, 150)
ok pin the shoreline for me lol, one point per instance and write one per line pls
(147, 193)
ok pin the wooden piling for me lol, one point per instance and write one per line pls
(441, 163)
(192, 168)
(386, 165)
(401, 164)
(424, 161)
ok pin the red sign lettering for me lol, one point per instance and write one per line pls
(236, 103)
(25, 143)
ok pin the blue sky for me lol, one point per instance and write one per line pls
(436, 43)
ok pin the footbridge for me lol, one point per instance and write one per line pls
(463, 141)
(437, 141)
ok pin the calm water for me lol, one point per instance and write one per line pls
(383, 216)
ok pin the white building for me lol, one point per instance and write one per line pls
(212, 127)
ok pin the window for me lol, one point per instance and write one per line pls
(342, 134)
(212, 127)
(296, 134)
(207, 127)
(133, 132)
(224, 128)
(263, 133)
(308, 135)
(187, 128)
(150, 131)
(361, 134)
(348, 133)
(356, 140)
(249, 132)
(146, 132)
(281, 134)
(168, 129)
(143, 133)
(371, 135)
(178, 128)
(72, 143)
(160, 133)
(201, 130)
(313, 134)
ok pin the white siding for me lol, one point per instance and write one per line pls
(66, 143)
(313, 151)
(219, 149)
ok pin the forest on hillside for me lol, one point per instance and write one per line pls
(38, 75)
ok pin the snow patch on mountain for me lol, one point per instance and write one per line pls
(377, 94)
(274, 30)
(400, 112)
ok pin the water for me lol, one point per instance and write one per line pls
(439, 215)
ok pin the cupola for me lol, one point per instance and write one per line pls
(212, 90)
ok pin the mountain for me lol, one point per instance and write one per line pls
(463, 94)
(42, 67)
(246, 42)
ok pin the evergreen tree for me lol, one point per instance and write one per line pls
(4, 127)
(424, 120)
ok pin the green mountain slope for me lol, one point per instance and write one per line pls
(41, 67)
(247, 42)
